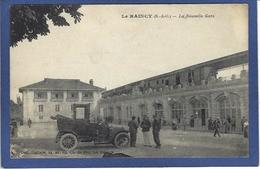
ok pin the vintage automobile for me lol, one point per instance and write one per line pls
(71, 131)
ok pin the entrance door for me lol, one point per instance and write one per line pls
(203, 117)
(81, 111)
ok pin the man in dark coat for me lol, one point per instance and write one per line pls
(156, 130)
(133, 125)
(210, 124)
(29, 123)
(216, 126)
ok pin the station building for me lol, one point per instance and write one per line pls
(188, 96)
(50, 97)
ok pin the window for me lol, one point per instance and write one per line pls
(158, 107)
(57, 108)
(167, 82)
(190, 76)
(119, 114)
(229, 107)
(162, 81)
(40, 108)
(157, 82)
(87, 95)
(127, 113)
(40, 95)
(178, 79)
(72, 95)
(143, 110)
(57, 95)
(177, 111)
(111, 113)
(130, 111)
(200, 110)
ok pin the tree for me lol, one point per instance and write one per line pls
(30, 21)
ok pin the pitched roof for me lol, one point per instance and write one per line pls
(60, 84)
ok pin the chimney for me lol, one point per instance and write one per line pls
(91, 82)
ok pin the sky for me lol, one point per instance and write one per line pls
(115, 51)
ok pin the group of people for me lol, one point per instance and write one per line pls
(228, 124)
(14, 126)
(145, 125)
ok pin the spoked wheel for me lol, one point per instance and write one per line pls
(121, 140)
(68, 142)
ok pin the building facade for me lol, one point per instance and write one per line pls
(60, 96)
(189, 96)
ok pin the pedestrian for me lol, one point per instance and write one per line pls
(245, 128)
(210, 124)
(138, 120)
(174, 124)
(29, 123)
(216, 125)
(243, 120)
(146, 125)
(133, 125)
(14, 128)
(229, 123)
(225, 125)
(233, 124)
(156, 131)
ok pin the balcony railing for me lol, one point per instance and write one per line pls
(217, 83)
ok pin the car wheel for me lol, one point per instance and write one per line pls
(68, 142)
(121, 140)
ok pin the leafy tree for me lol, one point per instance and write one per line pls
(30, 21)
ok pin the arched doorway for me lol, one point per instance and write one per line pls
(177, 110)
(229, 109)
(199, 111)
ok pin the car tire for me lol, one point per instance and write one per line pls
(121, 140)
(68, 142)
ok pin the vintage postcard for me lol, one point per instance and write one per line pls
(129, 81)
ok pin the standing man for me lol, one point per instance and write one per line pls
(146, 125)
(133, 125)
(156, 130)
(216, 125)
(243, 120)
(29, 123)
(233, 124)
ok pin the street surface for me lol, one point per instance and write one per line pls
(174, 144)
